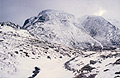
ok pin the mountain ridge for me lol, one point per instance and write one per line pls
(57, 22)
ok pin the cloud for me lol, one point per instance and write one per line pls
(100, 12)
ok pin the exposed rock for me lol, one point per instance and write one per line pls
(92, 76)
(117, 72)
(117, 76)
(106, 70)
(87, 68)
(82, 75)
(35, 72)
(92, 62)
(117, 62)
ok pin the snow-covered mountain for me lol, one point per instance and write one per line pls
(59, 27)
(89, 32)
(49, 46)
(101, 30)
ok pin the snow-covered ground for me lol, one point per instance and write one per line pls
(49, 46)
(49, 68)
(20, 53)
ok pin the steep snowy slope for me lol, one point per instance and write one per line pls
(59, 27)
(20, 53)
(9, 38)
(101, 30)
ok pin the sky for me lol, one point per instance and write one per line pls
(17, 11)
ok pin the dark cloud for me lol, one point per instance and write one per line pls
(18, 10)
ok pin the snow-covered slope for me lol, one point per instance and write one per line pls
(101, 30)
(95, 65)
(59, 27)
(20, 53)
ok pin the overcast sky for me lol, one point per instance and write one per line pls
(17, 11)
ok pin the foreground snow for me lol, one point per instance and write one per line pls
(53, 68)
